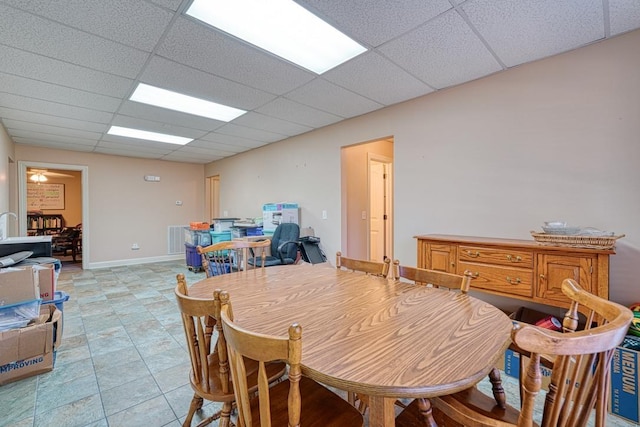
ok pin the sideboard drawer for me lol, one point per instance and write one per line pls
(505, 280)
(498, 256)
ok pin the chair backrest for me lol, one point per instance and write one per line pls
(242, 344)
(285, 232)
(369, 267)
(223, 257)
(199, 320)
(434, 278)
(582, 360)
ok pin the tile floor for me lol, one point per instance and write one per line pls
(123, 360)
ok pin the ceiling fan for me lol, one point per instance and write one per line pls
(41, 175)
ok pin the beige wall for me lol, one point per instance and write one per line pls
(556, 139)
(124, 209)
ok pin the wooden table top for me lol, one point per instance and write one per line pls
(367, 334)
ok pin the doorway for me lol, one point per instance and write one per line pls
(367, 200)
(24, 167)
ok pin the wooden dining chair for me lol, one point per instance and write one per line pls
(370, 267)
(209, 374)
(298, 402)
(225, 257)
(579, 377)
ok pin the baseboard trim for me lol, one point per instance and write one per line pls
(135, 261)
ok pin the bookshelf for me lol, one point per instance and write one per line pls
(39, 224)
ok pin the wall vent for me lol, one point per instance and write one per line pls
(175, 239)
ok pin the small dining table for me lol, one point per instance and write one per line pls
(383, 338)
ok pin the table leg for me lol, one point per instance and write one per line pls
(382, 411)
(426, 412)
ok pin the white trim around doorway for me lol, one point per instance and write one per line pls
(22, 199)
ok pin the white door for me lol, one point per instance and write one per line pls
(377, 186)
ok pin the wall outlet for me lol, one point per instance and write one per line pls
(135, 247)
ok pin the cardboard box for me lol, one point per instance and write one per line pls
(30, 351)
(624, 400)
(46, 280)
(274, 214)
(18, 284)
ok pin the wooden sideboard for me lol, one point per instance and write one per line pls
(522, 269)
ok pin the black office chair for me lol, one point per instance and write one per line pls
(284, 245)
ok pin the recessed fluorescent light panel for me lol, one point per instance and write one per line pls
(281, 27)
(187, 104)
(151, 136)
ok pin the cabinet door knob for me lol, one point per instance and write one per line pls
(542, 277)
(453, 264)
(474, 275)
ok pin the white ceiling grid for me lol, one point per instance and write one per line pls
(68, 67)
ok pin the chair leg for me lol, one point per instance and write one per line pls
(196, 404)
(496, 387)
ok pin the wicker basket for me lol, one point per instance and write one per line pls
(576, 241)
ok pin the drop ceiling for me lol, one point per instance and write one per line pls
(68, 67)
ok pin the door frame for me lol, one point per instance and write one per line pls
(22, 199)
(388, 203)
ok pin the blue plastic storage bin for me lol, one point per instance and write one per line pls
(59, 298)
(194, 261)
(220, 236)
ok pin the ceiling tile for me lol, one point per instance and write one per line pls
(45, 119)
(169, 4)
(258, 135)
(180, 156)
(134, 23)
(50, 92)
(148, 112)
(41, 136)
(156, 126)
(377, 78)
(134, 144)
(53, 144)
(326, 96)
(241, 144)
(49, 70)
(180, 78)
(44, 37)
(53, 109)
(209, 50)
(442, 53)
(297, 113)
(624, 15)
(527, 30)
(271, 124)
(52, 130)
(128, 152)
(376, 21)
(218, 147)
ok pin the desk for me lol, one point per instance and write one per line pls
(370, 335)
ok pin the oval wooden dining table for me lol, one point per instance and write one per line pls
(380, 337)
